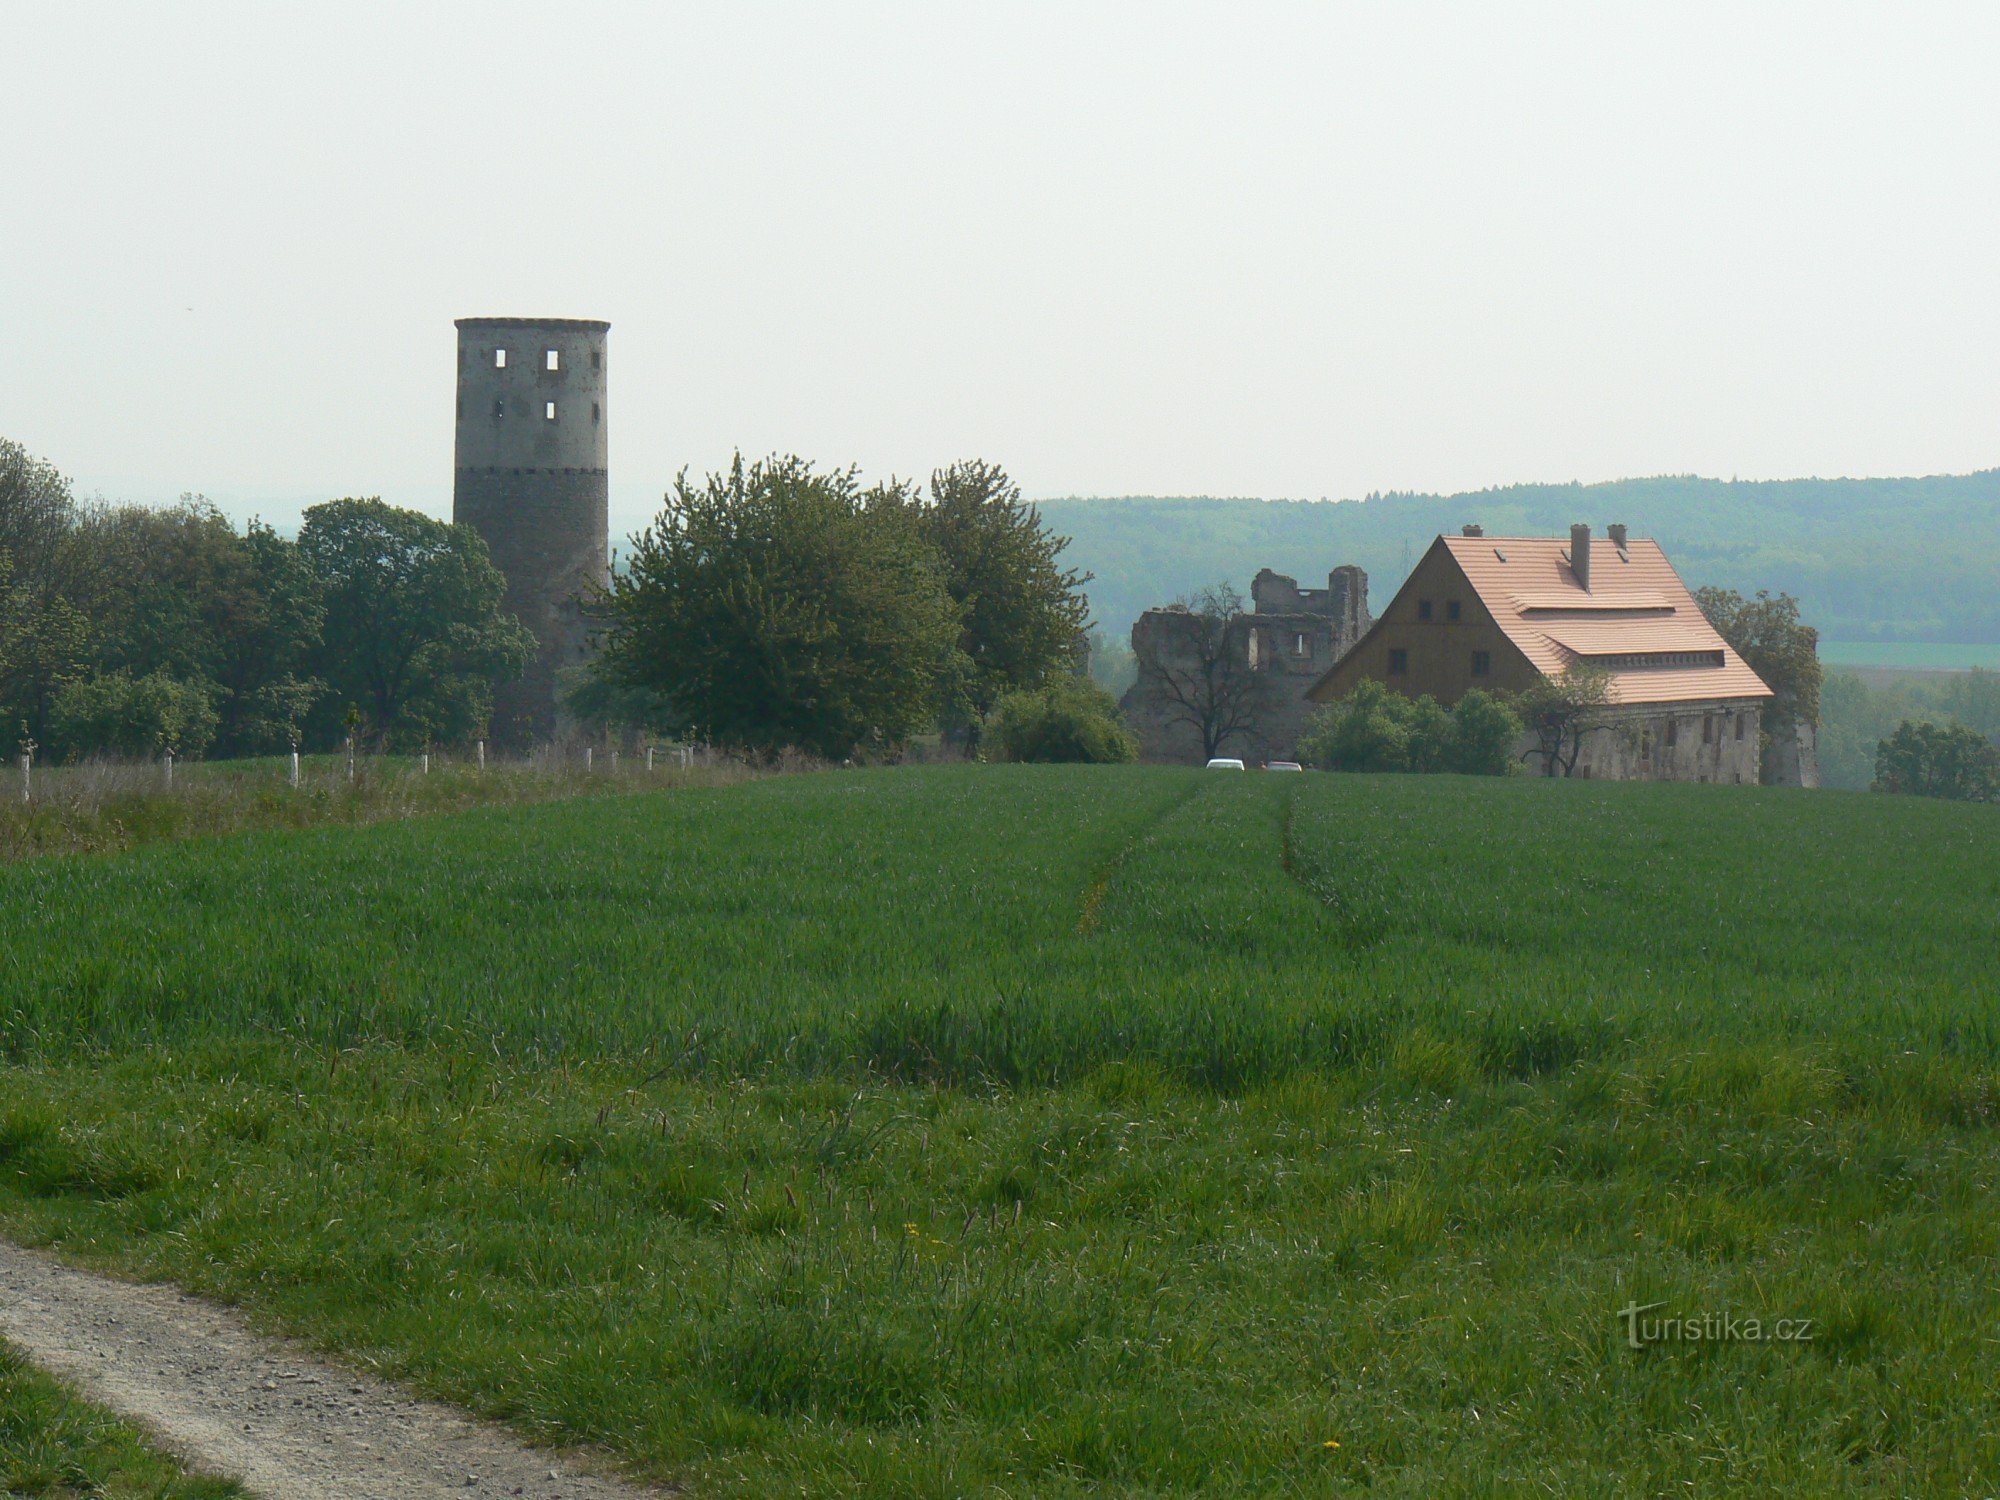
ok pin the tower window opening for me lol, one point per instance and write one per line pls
(596, 412)
(499, 359)
(499, 408)
(548, 411)
(596, 360)
(554, 360)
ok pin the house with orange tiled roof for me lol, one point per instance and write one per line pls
(1499, 612)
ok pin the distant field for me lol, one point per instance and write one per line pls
(1922, 656)
(1043, 1130)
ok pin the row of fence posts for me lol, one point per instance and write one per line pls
(684, 755)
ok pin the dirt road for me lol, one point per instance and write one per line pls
(286, 1424)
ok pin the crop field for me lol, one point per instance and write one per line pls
(1032, 1131)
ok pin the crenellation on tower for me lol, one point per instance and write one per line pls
(530, 478)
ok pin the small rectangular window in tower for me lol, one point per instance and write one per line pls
(1673, 733)
(499, 359)
(1399, 662)
(499, 408)
(596, 359)
(1482, 663)
(552, 360)
(1739, 725)
(1423, 609)
(596, 412)
(548, 411)
(1451, 609)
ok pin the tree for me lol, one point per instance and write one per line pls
(1973, 699)
(773, 606)
(1069, 719)
(413, 631)
(1199, 672)
(119, 714)
(37, 513)
(1021, 613)
(44, 646)
(1376, 729)
(1561, 712)
(1767, 633)
(1938, 760)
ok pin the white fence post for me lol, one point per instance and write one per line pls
(27, 776)
(482, 755)
(427, 763)
(614, 762)
(588, 752)
(649, 757)
(168, 762)
(295, 766)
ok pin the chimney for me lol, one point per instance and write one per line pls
(1617, 533)
(1579, 554)
(1474, 530)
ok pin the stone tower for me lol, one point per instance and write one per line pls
(530, 479)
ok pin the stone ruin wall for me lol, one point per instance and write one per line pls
(1291, 635)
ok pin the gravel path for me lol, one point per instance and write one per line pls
(287, 1425)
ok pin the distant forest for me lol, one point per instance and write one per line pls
(1868, 559)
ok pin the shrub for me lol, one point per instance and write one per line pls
(1069, 719)
(119, 714)
(1375, 729)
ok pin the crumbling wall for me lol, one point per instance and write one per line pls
(1286, 645)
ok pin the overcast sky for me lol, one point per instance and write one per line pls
(1246, 249)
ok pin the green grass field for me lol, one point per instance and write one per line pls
(1026, 1131)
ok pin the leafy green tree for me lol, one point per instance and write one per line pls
(1561, 712)
(773, 606)
(1022, 614)
(37, 513)
(1484, 732)
(44, 646)
(119, 714)
(1973, 699)
(1376, 729)
(1938, 760)
(413, 630)
(1780, 648)
(1068, 719)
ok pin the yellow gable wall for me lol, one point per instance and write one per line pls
(1440, 648)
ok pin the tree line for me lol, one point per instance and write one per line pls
(773, 606)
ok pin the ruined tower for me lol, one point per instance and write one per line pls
(530, 479)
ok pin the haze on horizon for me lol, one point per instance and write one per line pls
(1270, 249)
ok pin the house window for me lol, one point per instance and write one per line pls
(1423, 609)
(1708, 729)
(596, 412)
(1482, 663)
(1739, 725)
(1399, 662)
(1451, 609)
(548, 411)
(596, 359)
(1673, 733)
(553, 360)
(1645, 744)
(499, 359)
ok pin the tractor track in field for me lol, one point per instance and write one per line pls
(286, 1424)
(1107, 871)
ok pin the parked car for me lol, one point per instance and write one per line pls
(1283, 765)
(1225, 763)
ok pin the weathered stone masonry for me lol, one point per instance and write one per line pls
(531, 480)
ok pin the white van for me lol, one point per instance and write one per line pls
(1225, 763)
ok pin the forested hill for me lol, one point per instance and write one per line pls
(1869, 559)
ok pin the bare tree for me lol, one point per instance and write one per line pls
(1203, 672)
(1561, 711)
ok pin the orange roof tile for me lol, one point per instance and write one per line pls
(1528, 587)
